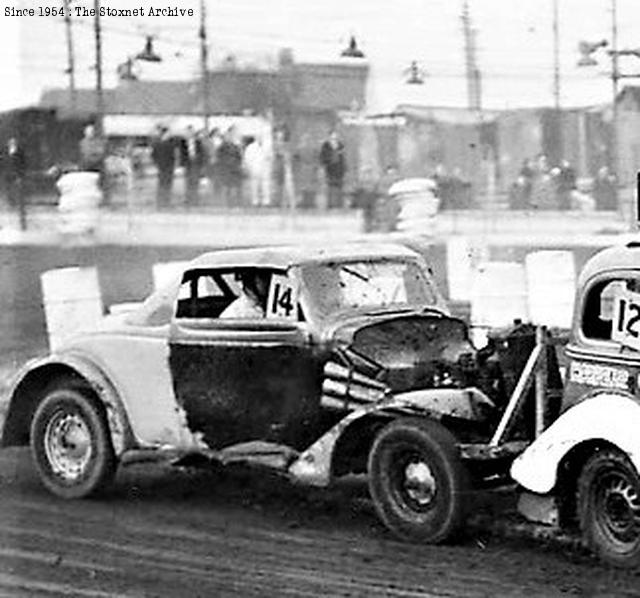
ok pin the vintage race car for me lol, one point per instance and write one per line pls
(354, 365)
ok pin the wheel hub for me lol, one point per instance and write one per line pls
(621, 503)
(419, 482)
(67, 444)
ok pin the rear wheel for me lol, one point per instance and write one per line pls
(70, 443)
(609, 507)
(417, 481)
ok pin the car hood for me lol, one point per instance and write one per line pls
(414, 350)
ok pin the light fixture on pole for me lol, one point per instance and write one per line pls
(352, 50)
(148, 54)
(126, 71)
(587, 50)
(415, 74)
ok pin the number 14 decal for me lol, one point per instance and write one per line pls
(283, 298)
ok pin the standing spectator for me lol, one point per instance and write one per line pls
(15, 170)
(444, 187)
(305, 171)
(525, 182)
(282, 168)
(163, 154)
(565, 184)
(93, 151)
(257, 168)
(542, 185)
(332, 158)
(192, 159)
(387, 208)
(366, 197)
(229, 167)
(604, 190)
(210, 144)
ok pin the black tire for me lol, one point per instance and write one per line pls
(70, 443)
(609, 507)
(430, 509)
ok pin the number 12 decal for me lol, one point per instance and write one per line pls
(626, 319)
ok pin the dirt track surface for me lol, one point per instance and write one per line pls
(164, 532)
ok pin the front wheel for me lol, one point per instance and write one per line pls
(609, 507)
(417, 481)
(70, 443)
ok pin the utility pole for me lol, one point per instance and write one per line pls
(487, 169)
(99, 92)
(615, 76)
(556, 57)
(204, 64)
(559, 137)
(70, 56)
(474, 93)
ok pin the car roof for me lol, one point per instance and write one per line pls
(282, 257)
(619, 257)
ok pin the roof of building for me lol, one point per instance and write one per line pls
(443, 114)
(303, 86)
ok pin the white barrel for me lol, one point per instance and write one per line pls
(79, 204)
(498, 294)
(72, 301)
(463, 257)
(418, 205)
(165, 273)
(551, 284)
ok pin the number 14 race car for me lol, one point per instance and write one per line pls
(315, 363)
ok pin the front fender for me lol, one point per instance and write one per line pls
(610, 417)
(38, 373)
(314, 465)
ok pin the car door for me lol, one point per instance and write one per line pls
(241, 380)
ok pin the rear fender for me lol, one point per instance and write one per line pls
(612, 418)
(315, 465)
(32, 380)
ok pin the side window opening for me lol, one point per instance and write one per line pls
(226, 294)
(203, 295)
(599, 306)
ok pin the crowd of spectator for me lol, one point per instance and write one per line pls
(227, 169)
(541, 186)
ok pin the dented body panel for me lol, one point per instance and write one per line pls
(315, 465)
(613, 418)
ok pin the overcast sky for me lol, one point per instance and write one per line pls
(514, 40)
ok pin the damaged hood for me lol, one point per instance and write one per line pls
(413, 350)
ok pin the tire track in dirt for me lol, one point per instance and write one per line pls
(165, 533)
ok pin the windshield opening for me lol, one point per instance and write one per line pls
(339, 286)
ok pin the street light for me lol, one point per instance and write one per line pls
(148, 54)
(352, 50)
(127, 70)
(415, 74)
(587, 49)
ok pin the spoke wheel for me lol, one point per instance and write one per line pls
(70, 443)
(609, 507)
